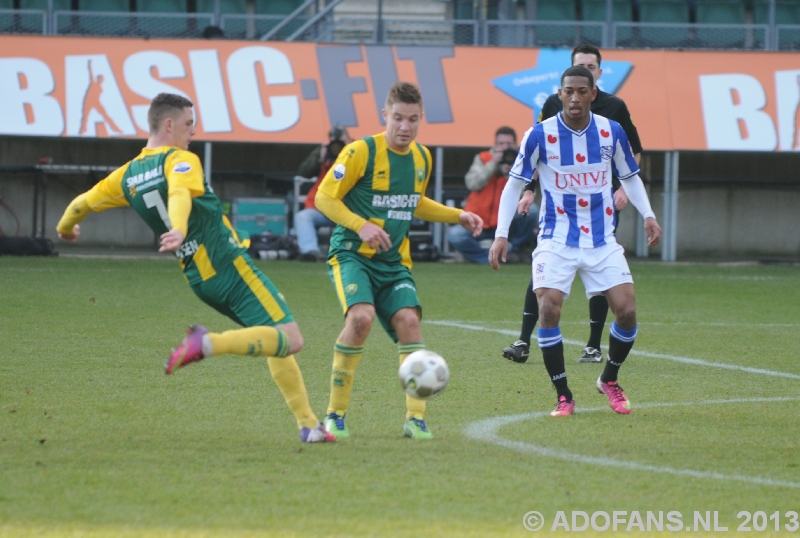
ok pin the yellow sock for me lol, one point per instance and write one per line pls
(414, 406)
(345, 361)
(259, 341)
(287, 376)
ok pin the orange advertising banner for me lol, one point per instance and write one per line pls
(294, 92)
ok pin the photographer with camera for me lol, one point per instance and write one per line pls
(485, 179)
(307, 221)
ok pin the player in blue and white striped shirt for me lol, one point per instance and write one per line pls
(575, 153)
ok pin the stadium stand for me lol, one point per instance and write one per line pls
(722, 12)
(112, 24)
(225, 6)
(556, 35)
(670, 12)
(104, 5)
(165, 26)
(20, 22)
(622, 11)
(787, 12)
(161, 6)
(42, 4)
(276, 7)
(690, 24)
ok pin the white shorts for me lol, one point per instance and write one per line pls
(600, 269)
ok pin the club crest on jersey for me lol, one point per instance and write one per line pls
(351, 289)
(132, 190)
(338, 172)
(181, 167)
(420, 174)
(606, 152)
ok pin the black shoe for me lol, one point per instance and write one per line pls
(517, 352)
(591, 354)
(313, 256)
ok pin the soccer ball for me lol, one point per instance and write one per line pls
(424, 374)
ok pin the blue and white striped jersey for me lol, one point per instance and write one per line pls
(575, 169)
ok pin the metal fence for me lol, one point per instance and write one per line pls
(103, 23)
(23, 21)
(499, 33)
(551, 34)
(787, 37)
(395, 32)
(691, 36)
(255, 26)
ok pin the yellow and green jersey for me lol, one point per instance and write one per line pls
(382, 186)
(144, 184)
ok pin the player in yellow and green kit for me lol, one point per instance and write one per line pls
(165, 185)
(372, 191)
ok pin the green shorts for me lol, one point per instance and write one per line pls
(244, 294)
(388, 287)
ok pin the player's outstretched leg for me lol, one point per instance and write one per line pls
(200, 343)
(189, 351)
(519, 351)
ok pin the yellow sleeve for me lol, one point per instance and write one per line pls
(107, 193)
(185, 181)
(337, 211)
(430, 167)
(433, 211)
(179, 206)
(348, 169)
(183, 169)
(77, 210)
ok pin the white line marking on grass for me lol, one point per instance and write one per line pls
(683, 323)
(487, 431)
(676, 358)
(713, 324)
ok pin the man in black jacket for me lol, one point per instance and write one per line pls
(611, 107)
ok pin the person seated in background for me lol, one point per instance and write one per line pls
(485, 179)
(310, 219)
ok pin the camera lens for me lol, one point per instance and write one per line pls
(509, 156)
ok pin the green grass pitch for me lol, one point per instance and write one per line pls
(96, 441)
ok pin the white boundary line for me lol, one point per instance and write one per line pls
(487, 431)
(697, 324)
(649, 355)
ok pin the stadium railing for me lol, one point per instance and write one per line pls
(691, 36)
(239, 26)
(106, 23)
(23, 21)
(395, 32)
(551, 34)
